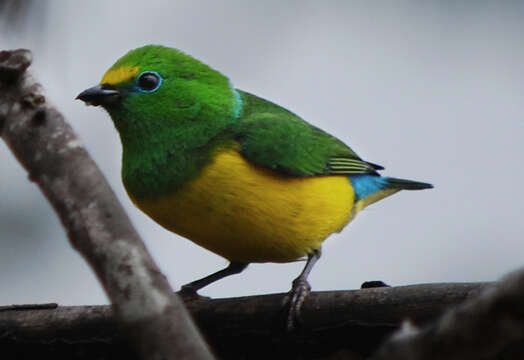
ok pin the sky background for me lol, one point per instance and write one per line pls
(432, 90)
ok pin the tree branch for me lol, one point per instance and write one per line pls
(480, 328)
(337, 322)
(47, 147)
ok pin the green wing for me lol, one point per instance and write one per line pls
(275, 138)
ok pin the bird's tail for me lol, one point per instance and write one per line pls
(403, 184)
(372, 188)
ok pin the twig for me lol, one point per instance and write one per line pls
(18, 307)
(144, 304)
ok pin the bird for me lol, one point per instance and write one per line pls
(236, 174)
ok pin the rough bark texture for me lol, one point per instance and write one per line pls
(489, 326)
(144, 304)
(338, 324)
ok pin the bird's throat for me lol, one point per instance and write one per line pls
(151, 172)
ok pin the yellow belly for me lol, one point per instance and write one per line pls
(249, 214)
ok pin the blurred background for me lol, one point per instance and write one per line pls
(432, 90)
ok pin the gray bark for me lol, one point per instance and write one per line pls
(483, 327)
(336, 323)
(154, 319)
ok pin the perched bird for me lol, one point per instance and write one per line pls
(232, 172)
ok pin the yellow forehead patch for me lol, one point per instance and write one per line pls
(120, 75)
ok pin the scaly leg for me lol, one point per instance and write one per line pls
(299, 291)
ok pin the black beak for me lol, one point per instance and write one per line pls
(99, 95)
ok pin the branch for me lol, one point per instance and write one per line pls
(337, 322)
(144, 304)
(480, 328)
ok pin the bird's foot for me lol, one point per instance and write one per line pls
(188, 293)
(293, 302)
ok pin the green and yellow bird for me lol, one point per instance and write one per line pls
(234, 173)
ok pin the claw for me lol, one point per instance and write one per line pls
(293, 303)
(187, 293)
(299, 291)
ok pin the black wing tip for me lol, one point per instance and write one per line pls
(375, 166)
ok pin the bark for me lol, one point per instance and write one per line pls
(484, 327)
(345, 324)
(154, 319)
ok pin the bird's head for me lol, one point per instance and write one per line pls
(160, 86)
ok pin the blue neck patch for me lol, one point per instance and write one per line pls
(237, 110)
(366, 185)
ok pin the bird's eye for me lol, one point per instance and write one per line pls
(149, 81)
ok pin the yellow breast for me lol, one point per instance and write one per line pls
(247, 213)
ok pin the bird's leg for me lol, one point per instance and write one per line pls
(299, 291)
(190, 290)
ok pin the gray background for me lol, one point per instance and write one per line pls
(432, 90)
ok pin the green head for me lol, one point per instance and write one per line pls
(167, 106)
(154, 89)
